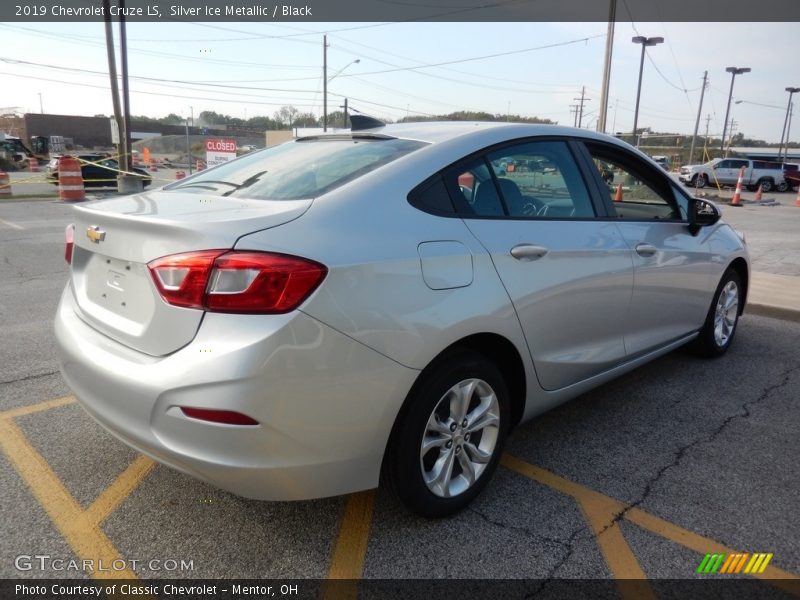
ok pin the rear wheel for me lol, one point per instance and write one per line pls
(766, 184)
(717, 333)
(448, 443)
(782, 187)
(699, 181)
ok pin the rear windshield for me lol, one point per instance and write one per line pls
(300, 169)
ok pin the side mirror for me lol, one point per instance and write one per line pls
(702, 213)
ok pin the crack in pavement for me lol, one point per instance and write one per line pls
(29, 377)
(707, 438)
(568, 544)
(527, 531)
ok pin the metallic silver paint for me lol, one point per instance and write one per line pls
(327, 381)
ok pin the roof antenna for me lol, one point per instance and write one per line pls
(361, 122)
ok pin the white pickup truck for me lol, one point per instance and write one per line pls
(719, 171)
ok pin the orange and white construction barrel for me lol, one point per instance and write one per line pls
(5, 185)
(70, 180)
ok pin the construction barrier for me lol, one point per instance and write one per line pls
(199, 165)
(33, 165)
(737, 195)
(70, 180)
(5, 185)
(153, 166)
(180, 174)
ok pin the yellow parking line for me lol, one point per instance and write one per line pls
(669, 531)
(703, 545)
(600, 512)
(350, 551)
(118, 491)
(13, 413)
(83, 536)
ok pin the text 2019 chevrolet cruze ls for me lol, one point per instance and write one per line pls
(390, 299)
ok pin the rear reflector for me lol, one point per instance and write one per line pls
(69, 237)
(236, 281)
(226, 417)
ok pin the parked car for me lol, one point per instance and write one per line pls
(662, 161)
(791, 173)
(383, 304)
(767, 175)
(98, 170)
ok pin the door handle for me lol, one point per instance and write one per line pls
(644, 249)
(528, 252)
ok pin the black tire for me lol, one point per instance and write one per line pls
(711, 343)
(699, 181)
(766, 184)
(404, 465)
(782, 187)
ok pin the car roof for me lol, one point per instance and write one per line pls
(434, 132)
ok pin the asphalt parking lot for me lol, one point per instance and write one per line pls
(639, 479)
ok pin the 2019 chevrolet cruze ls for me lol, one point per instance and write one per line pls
(388, 300)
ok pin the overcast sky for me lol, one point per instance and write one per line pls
(531, 69)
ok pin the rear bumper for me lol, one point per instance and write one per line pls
(325, 403)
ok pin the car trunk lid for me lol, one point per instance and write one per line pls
(115, 239)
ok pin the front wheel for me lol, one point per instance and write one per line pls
(717, 333)
(448, 443)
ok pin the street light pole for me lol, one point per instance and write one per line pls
(792, 91)
(644, 41)
(325, 86)
(734, 71)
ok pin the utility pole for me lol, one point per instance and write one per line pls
(583, 99)
(112, 68)
(125, 158)
(573, 108)
(730, 136)
(344, 121)
(324, 83)
(699, 111)
(612, 17)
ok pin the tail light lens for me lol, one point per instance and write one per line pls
(236, 282)
(69, 237)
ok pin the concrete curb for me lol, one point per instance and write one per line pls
(770, 310)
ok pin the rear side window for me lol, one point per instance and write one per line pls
(300, 169)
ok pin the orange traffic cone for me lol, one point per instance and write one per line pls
(759, 192)
(737, 195)
(797, 200)
(618, 195)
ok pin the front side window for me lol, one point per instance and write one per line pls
(305, 168)
(634, 193)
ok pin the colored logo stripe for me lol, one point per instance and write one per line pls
(734, 563)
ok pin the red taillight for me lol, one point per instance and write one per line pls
(69, 236)
(226, 417)
(236, 282)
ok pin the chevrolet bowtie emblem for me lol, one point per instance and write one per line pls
(95, 234)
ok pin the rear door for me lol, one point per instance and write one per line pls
(568, 274)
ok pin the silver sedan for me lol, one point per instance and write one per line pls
(385, 303)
